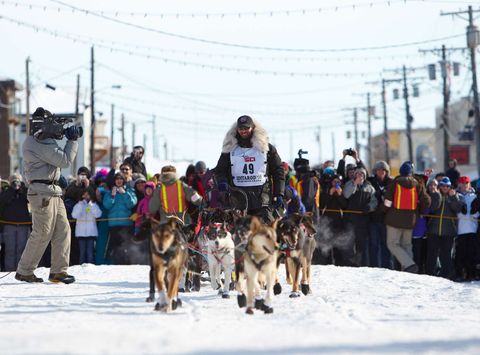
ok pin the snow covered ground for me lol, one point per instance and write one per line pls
(351, 310)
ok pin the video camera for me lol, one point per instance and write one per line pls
(45, 125)
(348, 151)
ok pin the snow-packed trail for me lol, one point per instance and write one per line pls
(351, 310)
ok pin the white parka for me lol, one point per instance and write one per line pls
(86, 214)
(467, 223)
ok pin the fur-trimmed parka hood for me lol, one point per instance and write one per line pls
(259, 138)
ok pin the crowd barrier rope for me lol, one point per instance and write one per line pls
(321, 211)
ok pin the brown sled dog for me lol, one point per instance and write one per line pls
(296, 238)
(261, 260)
(169, 256)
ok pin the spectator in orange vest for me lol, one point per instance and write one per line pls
(172, 195)
(404, 199)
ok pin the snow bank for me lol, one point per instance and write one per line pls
(362, 310)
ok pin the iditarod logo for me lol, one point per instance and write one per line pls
(248, 178)
(249, 159)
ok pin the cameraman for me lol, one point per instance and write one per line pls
(43, 158)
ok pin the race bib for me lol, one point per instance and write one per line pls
(249, 167)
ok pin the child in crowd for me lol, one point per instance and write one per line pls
(143, 212)
(86, 211)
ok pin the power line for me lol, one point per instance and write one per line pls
(230, 15)
(168, 60)
(245, 46)
(227, 55)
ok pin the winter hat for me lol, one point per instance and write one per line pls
(83, 170)
(406, 169)
(119, 176)
(245, 121)
(150, 185)
(464, 180)
(301, 165)
(169, 169)
(445, 182)
(200, 167)
(350, 167)
(139, 178)
(15, 177)
(285, 166)
(329, 171)
(381, 165)
(361, 171)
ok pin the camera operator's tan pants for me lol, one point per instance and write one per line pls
(50, 223)
(399, 242)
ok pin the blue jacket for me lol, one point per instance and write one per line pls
(120, 207)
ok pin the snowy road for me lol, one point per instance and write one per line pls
(351, 310)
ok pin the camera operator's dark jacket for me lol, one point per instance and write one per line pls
(14, 205)
(258, 196)
(43, 160)
(137, 165)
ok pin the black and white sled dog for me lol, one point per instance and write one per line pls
(221, 256)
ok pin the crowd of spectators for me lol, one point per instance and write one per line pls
(416, 222)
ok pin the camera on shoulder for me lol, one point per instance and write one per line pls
(44, 125)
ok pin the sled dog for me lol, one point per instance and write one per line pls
(260, 258)
(296, 239)
(169, 256)
(221, 256)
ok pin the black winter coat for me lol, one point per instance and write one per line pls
(137, 165)
(14, 205)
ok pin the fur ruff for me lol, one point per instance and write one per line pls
(259, 139)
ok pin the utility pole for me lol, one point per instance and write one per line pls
(319, 135)
(92, 108)
(369, 137)
(77, 112)
(333, 146)
(403, 80)
(473, 40)
(27, 92)
(385, 125)
(154, 135)
(112, 132)
(123, 137)
(446, 94)
(445, 65)
(290, 136)
(409, 116)
(144, 147)
(355, 127)
(133, 134)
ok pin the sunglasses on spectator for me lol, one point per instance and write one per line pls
(125, 169)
